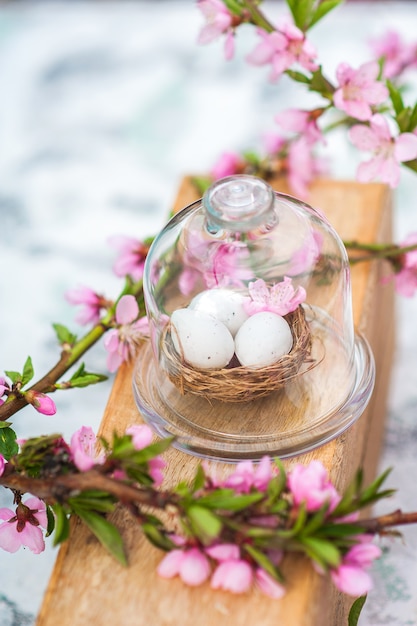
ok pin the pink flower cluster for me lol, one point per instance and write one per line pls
(132, 256)
(397, 55)
(281, 298)
(22, 527)
(219, 21)
(351, 576)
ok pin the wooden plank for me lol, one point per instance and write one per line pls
(88, 586)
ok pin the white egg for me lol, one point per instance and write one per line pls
(223, 304)
(200, 339)
(263, 339)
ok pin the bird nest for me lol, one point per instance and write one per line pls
(236, 383)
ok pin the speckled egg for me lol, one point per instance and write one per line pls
(263, 339)
(200, 339)
(223, 304)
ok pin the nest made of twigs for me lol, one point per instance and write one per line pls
(239, 383)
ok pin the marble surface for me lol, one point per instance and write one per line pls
(103, 108)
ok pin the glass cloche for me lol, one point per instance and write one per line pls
(252, 347)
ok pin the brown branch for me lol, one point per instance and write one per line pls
(396, 518)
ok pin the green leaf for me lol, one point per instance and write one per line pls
(62, 526)
(396, 98)
(94, 500)
(315, 521)
(323, 8)
(205, 523)
(340, 530)
(371, 492)
(413, 119)
(105, 531)
(321, 551)
(301, 11)
(156, 537)
(82, 378)
(356, 610)
(262, 560)
(15, 377)
(51, 521)
(64, 335)
(28, 371)
(233, 6)
(299, 77)
(403, 120)
(199, 479)
(321, 85)
(8, 445)
(226, 499)
(5, 424)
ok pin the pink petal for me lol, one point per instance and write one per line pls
(6, 514)
(234, 576)
(352, 580)
(32, 538)
(224, 552)
(38, 505)
(141, 435)
(170, 564)
(406, 147)
(194, 568)
(127, 310)
(268, 585)
(9, 537)
(2, 464)
(229, 46)
(364, 138)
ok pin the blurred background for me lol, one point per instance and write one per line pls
(104, 107)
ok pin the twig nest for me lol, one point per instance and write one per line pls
(263, 339)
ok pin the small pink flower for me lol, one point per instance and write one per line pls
(388, 151)
(281, 298)
(223, 552)
(92, 303)
(359, 90)
(229, 265)
(234, 575)
(305, 258)
(302, 122)
(142, 437)
(21, 528)
(2, 464)
(406, 276)
(219, 21)
(397, 54)
(310, 484)
(83, 449)
(4, 389)
(122, 342)
(282, 49)
(41, 402)
(228, 163)
(274, 144)
(192, 566)
(302, 166)
(268, 585)
(247, 475)
(350, 577)
(132, 256)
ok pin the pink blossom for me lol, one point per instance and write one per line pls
(350, 577)
(282, 48)
(122, 342)
(92, 303)
(4, 389)
(234, 575)
(310, 484)
(397, 54)
(302, 122)
(132, 256)
(223, 552)
(274, 144)
(281, 298)
(229, 265)
(2, 464)
(247, 475)
(228, 163)
(41, 402)
(192, 566)
(388, 151)
(359, 90)
(83, 449)
(305, 258)
(21, 528)
(268, 585)
(219, 21)
(142, 437)
(302, 166)
(406, 276)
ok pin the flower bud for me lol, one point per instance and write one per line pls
(41, 402)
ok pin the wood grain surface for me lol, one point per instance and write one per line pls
(88, 587)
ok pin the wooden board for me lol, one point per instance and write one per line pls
(87, 586)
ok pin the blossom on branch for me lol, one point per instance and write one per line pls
(302, 122)
(4, 389)
(22, 527)
(388, 151)
(405, 268)
(83, 449)
(351, 576)
(40, 401)
(92, 302)
(191, 565)
(359, 90)
(310, 484)
(2, 464)
(122, 342)
(228, 163)
(219, 21)
(397, 55)
(282, 49)
(132, 256)
(142, 437)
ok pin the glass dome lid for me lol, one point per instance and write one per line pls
(252, 347)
